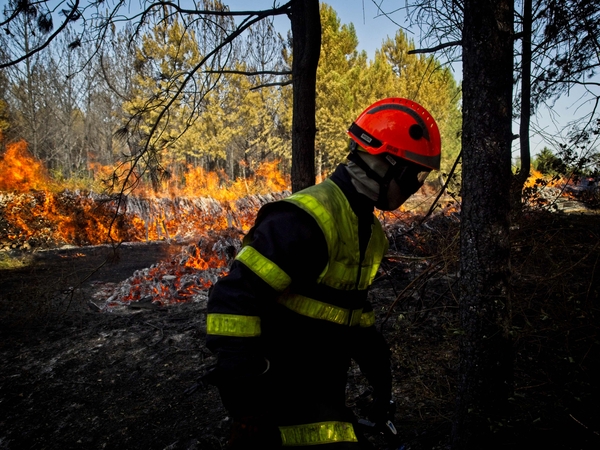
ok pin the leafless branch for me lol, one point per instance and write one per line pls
(108, 83)
(436, 48)
(283, 83)
(259, 72)
(381, 12)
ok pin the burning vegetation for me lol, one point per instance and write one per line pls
(35, 213)
(207, 213)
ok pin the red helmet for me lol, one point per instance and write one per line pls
(401, 128)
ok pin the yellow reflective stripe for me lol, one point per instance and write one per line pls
(320, 310)
(376, 249)
(317, 433)
(233, 325)
(266, 269)
(311, 204)
(367, 319)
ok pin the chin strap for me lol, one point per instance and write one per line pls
(383, 181)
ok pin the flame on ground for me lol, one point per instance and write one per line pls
(35, 213)
(20, 171)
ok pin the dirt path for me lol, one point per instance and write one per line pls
(62, 279)
(83, 379)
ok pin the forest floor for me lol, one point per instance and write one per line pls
(76, 378)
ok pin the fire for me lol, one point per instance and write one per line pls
(266, 178)
(201, 262)
(183, 279)
(48, 219)
(20, 171)
(196, 206)
(35, 212)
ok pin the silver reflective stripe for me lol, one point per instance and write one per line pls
(319, 310)
(317, 433)
(270, 272)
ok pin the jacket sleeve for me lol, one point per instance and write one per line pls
(275, 254)
(372, 354)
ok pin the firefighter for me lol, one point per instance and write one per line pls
(292, 313)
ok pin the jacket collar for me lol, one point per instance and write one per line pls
(360, 204)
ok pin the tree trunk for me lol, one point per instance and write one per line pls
(306, 35)
(524, 125)
(485, 366)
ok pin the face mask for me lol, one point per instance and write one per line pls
(386, 180)
(407, 180)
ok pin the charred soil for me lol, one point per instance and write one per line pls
(74, 377)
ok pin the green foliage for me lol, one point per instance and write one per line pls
(569, 162)
(347, 83)
(175, 108)
(9, 262)
(547, 163)
(241, 126)
(338, 88)
(214, 117)
(159, 107)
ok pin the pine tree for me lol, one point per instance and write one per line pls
(338, 78)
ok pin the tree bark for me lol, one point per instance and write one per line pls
(525, 120)
(485, 366)
(306, 35)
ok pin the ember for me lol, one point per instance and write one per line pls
(185, 278)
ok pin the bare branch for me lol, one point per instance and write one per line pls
(436, 48)
(381, 12)
(243, 72)
(108, 83)
(210, 12)
(283, 83)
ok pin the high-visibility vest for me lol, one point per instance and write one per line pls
(346, 272)
(327, 204)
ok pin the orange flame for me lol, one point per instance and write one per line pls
(20, 171)
(202, 201)
(199, 261)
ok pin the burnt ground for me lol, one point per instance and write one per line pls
(74, 377)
